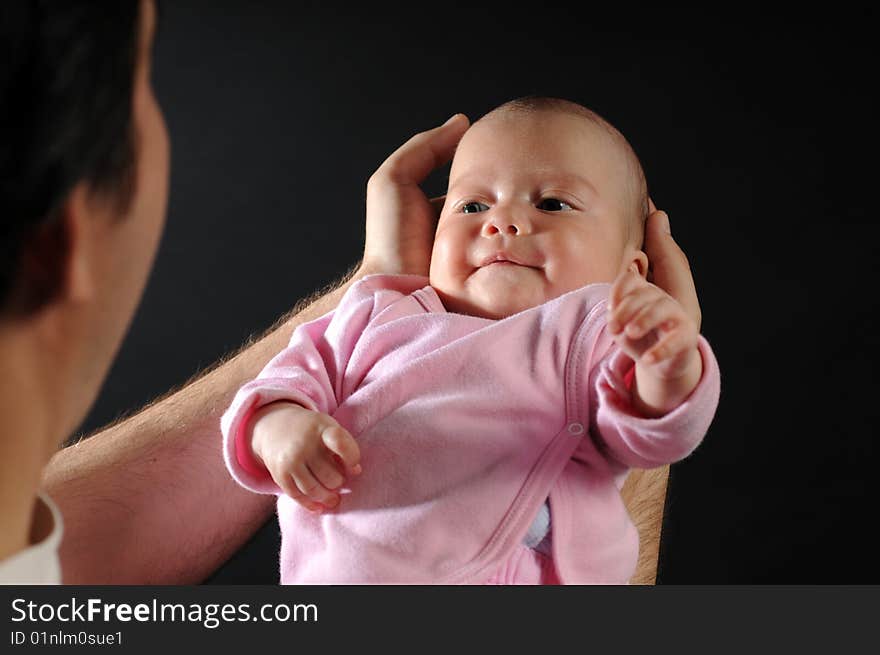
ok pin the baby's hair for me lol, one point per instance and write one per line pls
(638, 186)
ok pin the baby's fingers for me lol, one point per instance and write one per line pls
(622, 312)
(288, 486)
(626, 283)
(309, 485)
(678, 340)
(663, 312)
(339, 441)
(326, 471)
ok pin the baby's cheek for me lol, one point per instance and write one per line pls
(447, 260)
(567, 272)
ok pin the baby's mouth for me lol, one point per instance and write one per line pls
(504, 259)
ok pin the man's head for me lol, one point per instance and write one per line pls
(544, 197)
(84, 161)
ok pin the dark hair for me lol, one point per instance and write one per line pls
(66, 83)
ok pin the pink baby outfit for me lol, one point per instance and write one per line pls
(466, 425)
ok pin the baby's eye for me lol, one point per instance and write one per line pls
(553, 205)
(474, 207)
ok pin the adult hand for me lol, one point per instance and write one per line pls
(668, 265)
(400, 218)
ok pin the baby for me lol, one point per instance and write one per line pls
(477, 426)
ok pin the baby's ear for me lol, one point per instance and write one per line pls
(639, 264)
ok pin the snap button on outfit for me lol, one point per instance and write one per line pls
(576, 429)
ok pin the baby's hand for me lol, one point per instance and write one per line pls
(654, 329)
(306, 453)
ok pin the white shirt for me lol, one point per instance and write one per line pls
(38, 563)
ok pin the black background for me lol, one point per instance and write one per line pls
(756, 134)
(785, 619)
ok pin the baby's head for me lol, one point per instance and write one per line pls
(544, 197)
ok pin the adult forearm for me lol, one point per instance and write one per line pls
(148, 501)
(644, 494)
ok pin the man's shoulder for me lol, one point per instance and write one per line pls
(39, 562)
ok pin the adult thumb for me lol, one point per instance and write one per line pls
(669, 265)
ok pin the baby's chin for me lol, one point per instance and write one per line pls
(489, 303)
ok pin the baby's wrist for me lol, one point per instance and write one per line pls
(654, 396)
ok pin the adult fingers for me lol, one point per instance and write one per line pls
(437, 205)
(670, 269)
(400, 219)
(412, 162)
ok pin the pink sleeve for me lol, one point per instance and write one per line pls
(309, 372)
(639, 442)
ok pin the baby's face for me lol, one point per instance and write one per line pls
(535, 208)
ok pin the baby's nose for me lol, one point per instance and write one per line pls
(505, 224)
